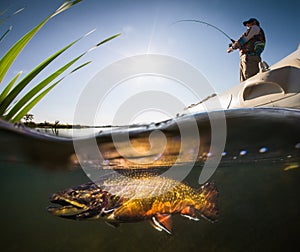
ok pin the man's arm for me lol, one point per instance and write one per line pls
(249, 34)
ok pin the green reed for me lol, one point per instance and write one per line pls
(13, 109)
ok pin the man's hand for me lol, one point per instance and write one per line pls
(230, 49)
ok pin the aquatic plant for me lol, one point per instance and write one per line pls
(14, 110)
(4, 18)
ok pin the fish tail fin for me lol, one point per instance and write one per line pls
(208, 207)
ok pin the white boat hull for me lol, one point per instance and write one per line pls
(275, 86)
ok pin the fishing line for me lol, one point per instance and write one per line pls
(202, 22)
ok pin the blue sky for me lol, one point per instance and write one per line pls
(146, 28)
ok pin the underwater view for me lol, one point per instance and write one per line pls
(250, 203)
(121, 129)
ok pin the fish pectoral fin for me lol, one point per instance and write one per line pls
(188, 212)
(162, 222)
(108, 211)
(113, 224)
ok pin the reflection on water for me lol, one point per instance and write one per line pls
(76, 132)
(257, 180)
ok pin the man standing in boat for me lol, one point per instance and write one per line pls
(251, 44)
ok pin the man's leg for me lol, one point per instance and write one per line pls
(252, 67)
(243, 68)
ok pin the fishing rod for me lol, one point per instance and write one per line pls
(202, 22)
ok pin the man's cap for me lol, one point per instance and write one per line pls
(250, 21)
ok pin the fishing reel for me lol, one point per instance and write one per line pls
(233, 41)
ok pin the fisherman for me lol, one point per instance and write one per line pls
(251, 44)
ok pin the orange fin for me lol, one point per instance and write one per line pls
(209, 209)
(162, 222)
(189, 213)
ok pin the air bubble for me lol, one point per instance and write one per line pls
(297, 146)
(263, 150)
(243, 152)
(224, 154)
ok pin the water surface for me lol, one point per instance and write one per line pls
(258, 196)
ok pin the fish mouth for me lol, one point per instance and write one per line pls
(66, 207)
(81, 202)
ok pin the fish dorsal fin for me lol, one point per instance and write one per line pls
(162, 222)
(189, 213)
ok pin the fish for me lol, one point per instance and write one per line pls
(126, 200)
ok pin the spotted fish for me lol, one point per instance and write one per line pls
(126, 199)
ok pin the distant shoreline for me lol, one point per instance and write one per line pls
(48, 125)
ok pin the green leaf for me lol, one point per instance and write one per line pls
(19, 10)
(32, 92)
(9, 86)
(26, 80)
(14, 51)
(66, 5)
(32, 103)
(77, 68)
(105, 40)
(23, 83)
(4, 19)
(7, 101)
(33, 96)
(108, 39)
(5, 33)
(3, 11)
